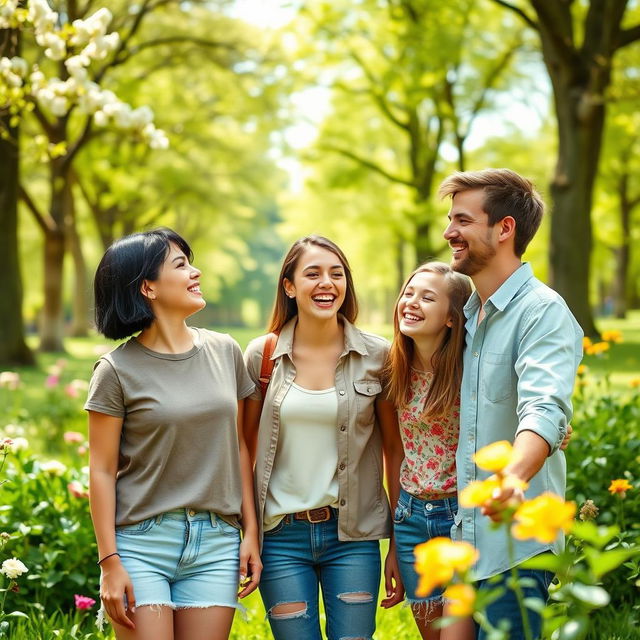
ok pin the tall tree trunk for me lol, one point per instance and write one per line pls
(13, 348)
(580, 126)
(623, 252)
(52, 321)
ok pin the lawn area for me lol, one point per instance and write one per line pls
(47, 405)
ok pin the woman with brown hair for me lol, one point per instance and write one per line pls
(317, 436)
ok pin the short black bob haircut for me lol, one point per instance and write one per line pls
(120, 308)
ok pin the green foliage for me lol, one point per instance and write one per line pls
(50, 532)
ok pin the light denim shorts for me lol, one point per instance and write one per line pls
(182, 559)
(416, 521)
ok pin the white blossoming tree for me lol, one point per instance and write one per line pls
(65, 97)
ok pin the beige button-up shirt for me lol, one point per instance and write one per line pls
(363, 506)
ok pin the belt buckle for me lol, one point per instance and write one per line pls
(321, 514)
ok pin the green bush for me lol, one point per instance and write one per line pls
(606, 447)
(50, 531)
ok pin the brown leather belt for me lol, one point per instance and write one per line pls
(321, 514)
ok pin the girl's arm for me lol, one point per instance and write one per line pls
(250, 563)
(393, 457)
(251, 424)
(115, 584)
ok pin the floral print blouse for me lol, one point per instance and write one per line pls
(429, 466)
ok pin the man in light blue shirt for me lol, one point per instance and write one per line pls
(523, 347)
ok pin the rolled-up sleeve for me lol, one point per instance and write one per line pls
(546, 367)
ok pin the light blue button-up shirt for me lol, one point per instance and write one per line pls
(519, 371)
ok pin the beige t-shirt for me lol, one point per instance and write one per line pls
(179, 441)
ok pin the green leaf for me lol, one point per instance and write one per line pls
(545, 561)
(590, 595)
(17, 614)
(602, 562)
(596, 536)
(535, 604)
(575, 629)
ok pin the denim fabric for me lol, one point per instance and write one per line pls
(506, 607)
(416, 521)
(298, 557)
(181, 559)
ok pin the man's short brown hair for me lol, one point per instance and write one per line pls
(506, 194)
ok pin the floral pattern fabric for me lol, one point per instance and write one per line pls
(429, 465)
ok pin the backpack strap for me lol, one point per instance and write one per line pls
(266, 368)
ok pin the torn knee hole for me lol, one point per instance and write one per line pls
(288, 610)
(356, 597)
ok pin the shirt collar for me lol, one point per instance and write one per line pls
(505, 292)
(353, 340)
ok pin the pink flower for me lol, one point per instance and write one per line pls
(71, 391)
(84, 602)
(51, 381)
(78, 491)
(82, 450)
(73, 436)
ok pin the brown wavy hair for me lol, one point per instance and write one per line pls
(285, 308)
(447, 359)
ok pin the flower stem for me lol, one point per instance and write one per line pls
(517, 589)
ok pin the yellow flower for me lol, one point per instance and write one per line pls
(597, 348)
(620, 487)
(543, 518)
(495, 457)
(476, 493)
(582, 370)
(460, 599)
(635, 383)
(586, 342)
(437, 561)
(612, 335)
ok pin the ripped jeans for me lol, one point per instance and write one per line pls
(299, 557)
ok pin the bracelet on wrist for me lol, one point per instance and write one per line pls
(109, 555)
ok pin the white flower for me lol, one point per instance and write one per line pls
(53, 467)
(12, 568)
(100, 119)
(9, 380)
(19, 444)
(37, 80)
(141, 117)
(59, 106)
(19, 66)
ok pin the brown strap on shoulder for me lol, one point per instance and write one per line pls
(266, 368)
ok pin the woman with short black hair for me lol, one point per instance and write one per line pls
(170, 474)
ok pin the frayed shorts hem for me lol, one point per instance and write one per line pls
(193, 605)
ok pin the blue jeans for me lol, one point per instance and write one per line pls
(298, 557)
(416, 521)
(506, 607)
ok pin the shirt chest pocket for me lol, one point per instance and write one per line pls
(497, 376)
(366, 392)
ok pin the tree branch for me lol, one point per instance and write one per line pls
(45, 222)
(627, 36)
(369, 164)
(517, 10)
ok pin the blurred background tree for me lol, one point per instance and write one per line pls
(289, 118)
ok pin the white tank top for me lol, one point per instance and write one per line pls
(304, 472)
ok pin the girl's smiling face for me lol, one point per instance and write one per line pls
(319, 284)
(423, 309)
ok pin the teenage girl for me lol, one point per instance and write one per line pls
(318, 438)
(171, 480)
(424, 372)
